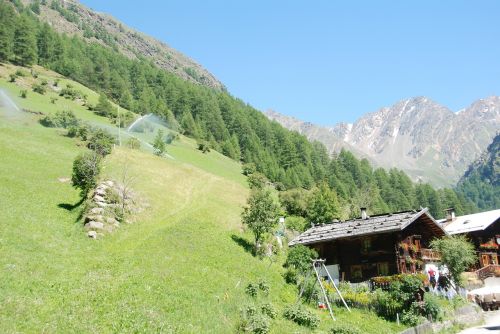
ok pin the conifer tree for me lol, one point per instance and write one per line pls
(25, 49)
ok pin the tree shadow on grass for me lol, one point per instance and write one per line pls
(71, 207)
(244, 243)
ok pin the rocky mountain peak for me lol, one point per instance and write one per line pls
(424, 138)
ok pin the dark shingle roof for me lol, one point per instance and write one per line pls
(390, 222)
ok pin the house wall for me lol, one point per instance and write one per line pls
(361, 258)
(364, 257)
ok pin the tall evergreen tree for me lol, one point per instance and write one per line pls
(25, 48)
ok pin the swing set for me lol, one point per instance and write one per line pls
(316, 266)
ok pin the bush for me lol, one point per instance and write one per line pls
(299, 257)
(134, 143)
(40, 89)
(257, 181)
(248, 169)
(53, 100)
(21, 73)
(70, 93)
(431, 309)
(101, 142)
(13, 77)
(291, 276)
(269, 310)
(61, 119)
(253, 322)
(411, 317)
(339, 328)
(301, 316)
(204, 147)
(259, 324)
(252, 289)
(86, 168)
(296, 223)
(24, 93)
(264, 287)
(72, 131)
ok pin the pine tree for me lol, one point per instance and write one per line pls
(25, 49)
(6, 31)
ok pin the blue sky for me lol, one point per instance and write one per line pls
(330, 61)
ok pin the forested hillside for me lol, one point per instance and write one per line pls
(481, 181)
(224, 122)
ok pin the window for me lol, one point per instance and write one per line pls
(383, 268)
(366, 245)
(356, 272)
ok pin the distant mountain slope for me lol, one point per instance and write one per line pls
(481, 181)
(73, 18)
(425, 139)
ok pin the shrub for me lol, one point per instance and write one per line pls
(339, 328)
(13, 77)
(24, 93)
(53, 100)
(134, 143)
(431, 307)
(20, 73)
(301, 316)
(259, 324)
(291, 276)
(248, 169)
(86, 168)
(40, 89)
(61, 119)
(269, 310)
(257, 181)
(299, 257)
(101, 142)
(296, 223)
(204, 147)
(72, 131)
(264, 287)
(69, 92)
(253, 322)
(411, 318)
(252, 289)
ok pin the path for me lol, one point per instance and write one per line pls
(492, 324)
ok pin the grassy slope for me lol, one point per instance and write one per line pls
(177, 269)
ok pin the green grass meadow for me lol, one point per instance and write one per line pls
(181, 267)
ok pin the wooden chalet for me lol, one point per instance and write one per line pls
(483, 230)
(359, 249)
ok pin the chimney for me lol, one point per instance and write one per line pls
(450, 215)
(363, 214)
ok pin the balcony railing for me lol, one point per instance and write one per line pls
(430, 255)
(488, 271)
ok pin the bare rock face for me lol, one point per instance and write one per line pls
(425, 139)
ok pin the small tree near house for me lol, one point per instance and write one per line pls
(260, 215)
(457, 254)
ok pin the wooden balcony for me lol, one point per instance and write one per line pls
(430, 255)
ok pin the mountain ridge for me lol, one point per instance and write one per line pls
(418, 135)
(74, 18)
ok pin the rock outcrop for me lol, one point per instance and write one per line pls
(108, 208)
